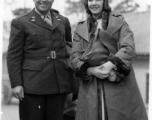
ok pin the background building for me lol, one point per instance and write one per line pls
(140, 25)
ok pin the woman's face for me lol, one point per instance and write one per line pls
(95, 6)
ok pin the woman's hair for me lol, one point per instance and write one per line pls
(105, 12)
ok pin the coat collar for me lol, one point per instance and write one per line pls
(36, 19)
(114, 25)
(115, 22)
(82, 30)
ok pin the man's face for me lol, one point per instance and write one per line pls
(95, 6)
(43, 6)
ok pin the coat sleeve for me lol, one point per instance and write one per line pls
(77, 50)
(15, 53)
(123, 58)
(126, 44)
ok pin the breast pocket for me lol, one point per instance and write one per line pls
(62, 32)
(62, 35)
(35, 39)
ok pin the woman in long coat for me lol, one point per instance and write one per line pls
(102, 54)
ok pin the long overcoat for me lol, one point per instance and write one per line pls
(123, 100)
(37, 56)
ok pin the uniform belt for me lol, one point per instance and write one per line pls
(53, 55)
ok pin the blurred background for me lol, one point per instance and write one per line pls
(137, 14)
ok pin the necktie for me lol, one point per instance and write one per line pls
(47, 19)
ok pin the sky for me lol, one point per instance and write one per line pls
(58, 4)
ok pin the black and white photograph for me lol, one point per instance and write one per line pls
(76, 60)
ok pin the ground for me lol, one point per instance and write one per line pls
(10, 112)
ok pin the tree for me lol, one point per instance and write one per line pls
(9, 2)
(75, 8)
(126, 6)
(20, 11)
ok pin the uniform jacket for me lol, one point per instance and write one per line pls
(37, 56)
(122, 99)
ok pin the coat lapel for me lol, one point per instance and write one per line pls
(109, 41)
(82, 31)
(114, 24)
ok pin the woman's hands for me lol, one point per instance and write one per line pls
(98, 72)
(112, 76)
(103, 71)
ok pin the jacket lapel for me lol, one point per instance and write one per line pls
(36, 19)
(56, 20)
(82, 31)
(114, 24)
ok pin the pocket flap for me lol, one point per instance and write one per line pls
(30, 64)
(36, 32)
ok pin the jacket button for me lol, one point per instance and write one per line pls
(27, 68)
(121, 83)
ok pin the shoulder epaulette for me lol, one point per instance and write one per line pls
(79, 23)
(116, 13)
(22, 16)
(55, 11)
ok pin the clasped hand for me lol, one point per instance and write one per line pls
(18, 92)
(103, 71)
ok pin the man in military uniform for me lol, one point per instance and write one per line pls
(37, 62)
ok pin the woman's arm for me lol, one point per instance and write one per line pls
(126, 44)
(77, 50)
(123, 58)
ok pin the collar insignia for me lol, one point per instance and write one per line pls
(32, 19)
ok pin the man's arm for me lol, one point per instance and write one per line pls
(68, 37)
(15, 56)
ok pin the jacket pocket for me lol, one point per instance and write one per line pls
(35, 38)
(32, 65)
